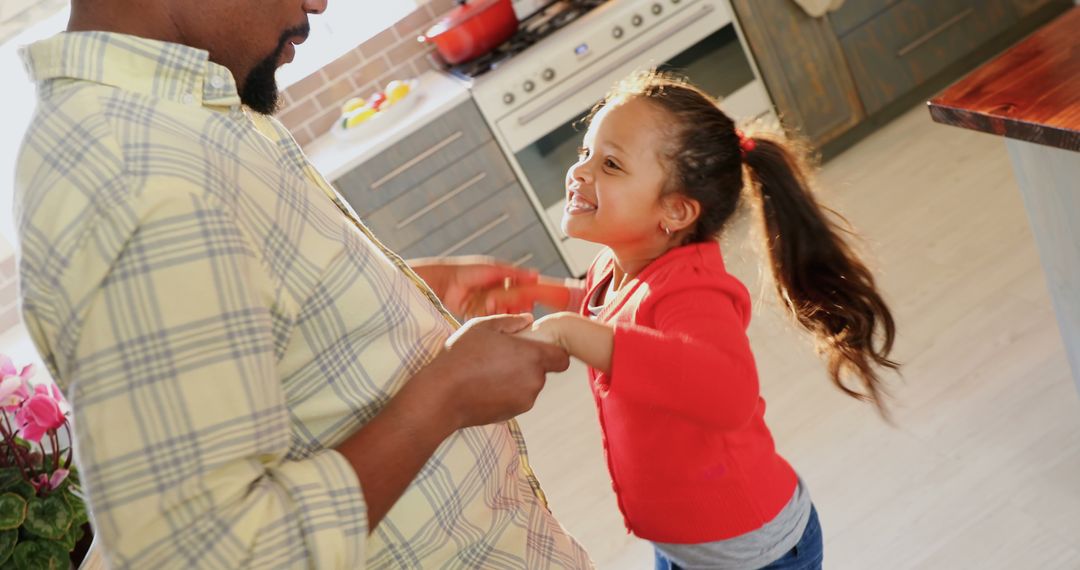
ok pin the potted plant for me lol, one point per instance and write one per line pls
(42, 514)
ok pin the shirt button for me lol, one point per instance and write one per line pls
(187, 99)
(217, 82)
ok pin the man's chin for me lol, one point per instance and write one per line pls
(260, 91)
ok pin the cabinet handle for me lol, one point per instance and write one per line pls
(417, 159)
(487, 228)
(934, 32)
(593, 78)
(442, 200)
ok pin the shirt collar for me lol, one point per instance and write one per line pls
(159, 69)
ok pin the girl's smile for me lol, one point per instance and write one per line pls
(577, 205)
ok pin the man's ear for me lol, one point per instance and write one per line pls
(680, 211)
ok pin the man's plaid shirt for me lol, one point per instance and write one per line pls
(220, 322)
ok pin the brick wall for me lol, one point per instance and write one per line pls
(312, 104)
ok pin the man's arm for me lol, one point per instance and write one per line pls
(181, 423)
(183, 428)
(483, 377)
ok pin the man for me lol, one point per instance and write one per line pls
(256, 381)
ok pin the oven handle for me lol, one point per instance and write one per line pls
(679, 24)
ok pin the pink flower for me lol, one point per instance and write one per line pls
(12, 393)
(7, 368)
(13, 386)
(40, 414)
(49, 483)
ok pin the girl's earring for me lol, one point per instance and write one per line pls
(667, 230)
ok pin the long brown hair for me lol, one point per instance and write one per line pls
(818, 277)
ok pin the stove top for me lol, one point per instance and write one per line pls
(546, 21)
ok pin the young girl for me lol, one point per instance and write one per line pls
(662, 325)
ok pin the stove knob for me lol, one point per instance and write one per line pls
(637, 20)
(508, 98)
(617, 33)
(657, 9)
(529, 86)
(549, 74)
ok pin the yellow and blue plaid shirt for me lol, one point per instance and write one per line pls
(220, 321)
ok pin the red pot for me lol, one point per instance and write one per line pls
(472, 28)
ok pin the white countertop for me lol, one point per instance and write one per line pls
(334, 157)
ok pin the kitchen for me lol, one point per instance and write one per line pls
(978, 470)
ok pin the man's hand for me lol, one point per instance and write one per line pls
(486, 375)
(459, 281)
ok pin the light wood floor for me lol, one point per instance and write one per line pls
(982, 470)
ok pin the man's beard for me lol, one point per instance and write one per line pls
(260, 91)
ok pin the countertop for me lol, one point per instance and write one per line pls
(334, 157)
(1031, 92)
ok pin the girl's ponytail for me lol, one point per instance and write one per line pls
(818, 277)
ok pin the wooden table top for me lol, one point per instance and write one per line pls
(1030, 92)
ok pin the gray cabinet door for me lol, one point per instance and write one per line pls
(803, 67)
(532, 247)
(487, 225)
(418, 157)
(452, 193)
(447, 189)
(855, 13)
(915, 39)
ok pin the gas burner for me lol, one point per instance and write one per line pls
(546, 21)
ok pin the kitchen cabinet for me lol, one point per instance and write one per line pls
(803, 66)
(913, 40)
(861, 63)
(447, 189)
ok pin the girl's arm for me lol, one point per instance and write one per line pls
(696, 342)
(585, 339)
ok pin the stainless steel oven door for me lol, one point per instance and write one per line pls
(544, 135)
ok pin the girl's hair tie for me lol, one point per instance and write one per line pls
(746, 144)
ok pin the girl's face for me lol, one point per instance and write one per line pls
(613, 191)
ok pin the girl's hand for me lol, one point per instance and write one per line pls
(549, 329)
(585, 339)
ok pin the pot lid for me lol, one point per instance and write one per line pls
(464, 10)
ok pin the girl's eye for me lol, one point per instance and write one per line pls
(611, 164)
(582, 153)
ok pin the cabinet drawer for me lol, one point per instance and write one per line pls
(913, 40)
(491, 222)
(856, 13)
(415, 159)
(452, 194)
(530, 248)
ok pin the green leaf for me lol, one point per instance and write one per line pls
(9, 476)
(72, 536)
(23, 489)
(8, 538)
(49, 517)
(12, 511)
(41, 555)
(78, 507)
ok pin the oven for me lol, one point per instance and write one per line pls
(534, 102)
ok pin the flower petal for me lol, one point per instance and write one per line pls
(57, 478)
(7, 368)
